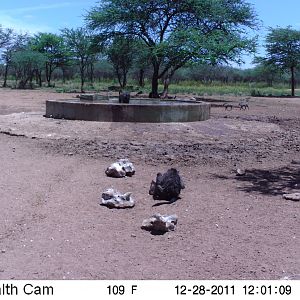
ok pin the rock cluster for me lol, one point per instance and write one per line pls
(166, 187)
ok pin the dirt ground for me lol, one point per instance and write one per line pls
(229, 227)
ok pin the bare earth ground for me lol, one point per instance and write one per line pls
(230, 227)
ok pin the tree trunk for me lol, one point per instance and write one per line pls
(154, 92)
(63, 74)
(40, 78)
(270, 82)
(142, 78)
(82, 82)
(119, 76)
(30, 80)
(166, 88)
(92, 73)
(48, 74)
(293, 81)
(82, 75)
(23, 82)
(124, 78)
(5, 76)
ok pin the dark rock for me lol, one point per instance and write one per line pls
(167, 186)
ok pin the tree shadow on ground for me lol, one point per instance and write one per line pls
(269, 182)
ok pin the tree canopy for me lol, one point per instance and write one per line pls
(52, 46)
(5, 36)
(121, 54)
(177, 32)
(80, 46)
(26, 63)
(283, 50)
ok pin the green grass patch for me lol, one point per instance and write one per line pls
(239, 89)
(182, 87)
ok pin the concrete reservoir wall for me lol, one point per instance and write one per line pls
(176, 111)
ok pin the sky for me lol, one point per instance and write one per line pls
(274, 13)
(34, 16)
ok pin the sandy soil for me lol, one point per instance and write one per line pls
(230, 227)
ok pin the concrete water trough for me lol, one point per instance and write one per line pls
(143, 110)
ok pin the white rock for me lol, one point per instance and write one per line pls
(114, 199)
(240, 172)
(121, 168)
(161, 223)
(293, 197)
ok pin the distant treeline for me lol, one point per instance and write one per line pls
(103, 70)
(40, 60)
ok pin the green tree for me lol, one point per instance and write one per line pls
(16, 42)
(81, 48)
(265, 71)
(121, 54)
(26, 63)
(52, 46)
(142, 61)
(180, 31)
(5, 36)
(283, 50)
